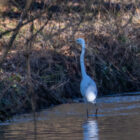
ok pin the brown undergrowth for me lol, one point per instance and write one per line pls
(111, 31)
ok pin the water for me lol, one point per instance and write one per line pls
(118, 119)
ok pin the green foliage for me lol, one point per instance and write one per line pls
(15, 77)
(122, 38)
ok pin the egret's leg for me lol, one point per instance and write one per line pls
(87, 112)
(96, 111)
(87, 109)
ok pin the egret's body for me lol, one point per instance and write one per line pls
(88, 87)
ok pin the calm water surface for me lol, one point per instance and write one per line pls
(118, 119)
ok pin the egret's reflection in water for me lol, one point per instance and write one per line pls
(91, 130)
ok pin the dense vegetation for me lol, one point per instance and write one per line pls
(39, 59)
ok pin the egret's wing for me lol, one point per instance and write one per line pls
(88, 85)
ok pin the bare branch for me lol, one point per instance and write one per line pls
(11, 41)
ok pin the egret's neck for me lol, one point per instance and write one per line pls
(83, 71)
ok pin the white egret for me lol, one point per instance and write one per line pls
(88, 87)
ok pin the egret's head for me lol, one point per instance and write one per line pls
(80, 41)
